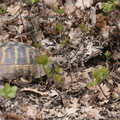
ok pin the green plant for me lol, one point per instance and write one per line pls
(38, 45)
(48, 71)
(84, 28)
(8, 91)
(2, 10)
(59, 27)
(33, 1)
(107, 53)
(57, 76)
(44, 60)
(59, 11)
(58, 70)
(99, 74)
(64, 41)
(111, 4)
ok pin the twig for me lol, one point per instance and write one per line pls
(59, 96)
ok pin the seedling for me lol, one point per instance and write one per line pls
(43, 60)
(64, 41)
(107, 7)
(84, 28)
(107, 54)
(99, 74)
(62, 80)
(33, 1)
(56, 77)
(48, 71)
(38, 45)
(8, 91)
(2, 10)
(59, 11)
(59, 27)
(58, 70)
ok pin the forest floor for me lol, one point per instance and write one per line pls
(76, 35)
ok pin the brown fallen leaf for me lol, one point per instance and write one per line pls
(105, 90)
(29, 111)
(101, 21)
(51, 3)
(13, 116)
(73, 107)
(116, 55)
(91, 113)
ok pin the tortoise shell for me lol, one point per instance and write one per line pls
(17, 60)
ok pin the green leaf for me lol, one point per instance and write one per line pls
(84, 28)
(11, 95)
(58, 70)
(38, 45)
(33, 1)
(2, 93)
(8, 91)
(113, 96)
(100, 73)
(56, 77)
(59, 27)
(49, 74)
(59, 11)
(13, 89)
(42, 59)
(63, 42)
(107, 7)
(82, 25)
(7, 88)
(62, 81)
(3, 10)
(115, 2)
(47, 70)
(107, 53)
(91, 84)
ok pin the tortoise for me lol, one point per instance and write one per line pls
(17, 61)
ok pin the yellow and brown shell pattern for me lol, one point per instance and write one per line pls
(17, 60)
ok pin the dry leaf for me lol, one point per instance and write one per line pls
(85, 99)
(105, 90)
(13, 116)
(51, 3)
(72, 108)
(118, 88)
(101, 21)
(91, 113)
(67, 80)
(83, 4)
(116, 55)
(29, 111)
(13, 9)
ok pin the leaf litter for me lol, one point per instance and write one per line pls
(82, 52)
